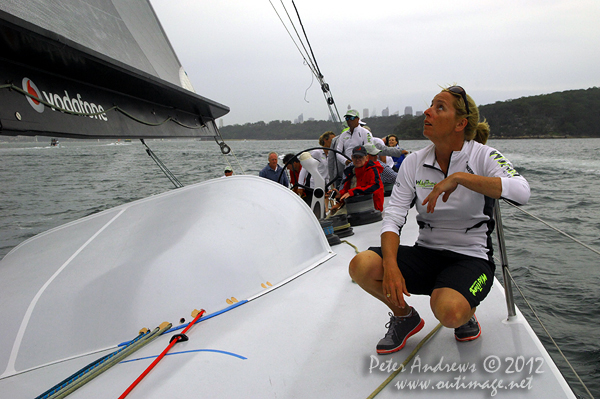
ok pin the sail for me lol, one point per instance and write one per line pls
(102, 69)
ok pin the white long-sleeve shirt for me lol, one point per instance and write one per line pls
(464, 223)
(347, 142)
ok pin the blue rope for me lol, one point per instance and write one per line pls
(235, 305)
(75, 376)
(190, 351)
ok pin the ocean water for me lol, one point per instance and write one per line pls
(43, 187)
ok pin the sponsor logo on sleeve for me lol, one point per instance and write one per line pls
(504, 163)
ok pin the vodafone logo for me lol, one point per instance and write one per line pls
(73, 104)
(32, 89)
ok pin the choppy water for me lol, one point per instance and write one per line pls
(43, 187)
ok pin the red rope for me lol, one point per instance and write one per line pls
(159, 358)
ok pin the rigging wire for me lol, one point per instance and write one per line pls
(162, 166)
(225, 149)
(554, 228)
(324, 86)
(529, 304)
(312, 80)
(549, 336)
(294, 41)
(315, 67)
(312, 64)
(307, 42)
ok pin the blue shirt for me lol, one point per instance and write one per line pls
(271, 174)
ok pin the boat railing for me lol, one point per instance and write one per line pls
(510, 302)
(508, 279)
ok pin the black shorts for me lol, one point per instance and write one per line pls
(426, 269)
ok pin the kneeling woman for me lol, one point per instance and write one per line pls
(454, 181)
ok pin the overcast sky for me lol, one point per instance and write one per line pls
(381, 53)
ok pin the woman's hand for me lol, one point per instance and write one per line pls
(446, 187)
(393, 284)
(488, 186)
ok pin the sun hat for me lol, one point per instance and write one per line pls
(352, 112)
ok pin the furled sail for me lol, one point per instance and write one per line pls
(101, 69)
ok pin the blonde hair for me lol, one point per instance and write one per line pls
(324, 137)
(475, 130)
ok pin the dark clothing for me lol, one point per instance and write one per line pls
(271, 174)
(426, 269)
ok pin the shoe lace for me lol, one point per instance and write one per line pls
(470, 323)
(390, 325)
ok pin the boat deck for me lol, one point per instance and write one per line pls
(314, 337)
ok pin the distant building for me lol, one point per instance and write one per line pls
(301, 118)
(386, 112)
(365, 113)
(418, 113)
(220, 123)
(311, 119)
(408, 110)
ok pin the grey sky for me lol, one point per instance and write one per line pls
(381, 53)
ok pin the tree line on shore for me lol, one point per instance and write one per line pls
(573, 113)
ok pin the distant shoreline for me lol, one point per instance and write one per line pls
(30, 139)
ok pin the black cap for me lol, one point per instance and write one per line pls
(359, 150)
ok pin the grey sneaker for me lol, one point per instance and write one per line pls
(399, 329)
(469, 331)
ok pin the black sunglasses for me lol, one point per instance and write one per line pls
(461, 92)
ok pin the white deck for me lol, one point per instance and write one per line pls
(312, 337)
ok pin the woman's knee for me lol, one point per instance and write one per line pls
(450, 307)
(363, 264)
